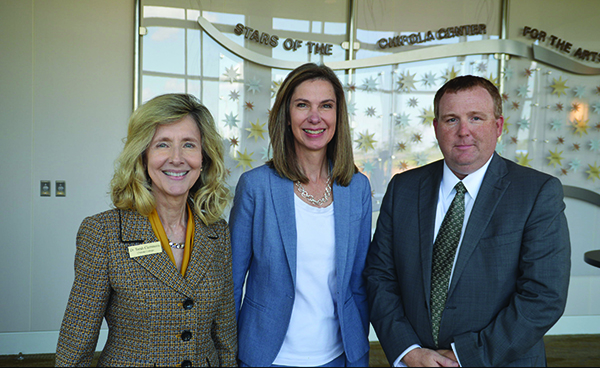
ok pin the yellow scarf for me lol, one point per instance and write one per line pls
(159, 231)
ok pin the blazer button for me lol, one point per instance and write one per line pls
(186, 335)
(188, 304)
(186, 363)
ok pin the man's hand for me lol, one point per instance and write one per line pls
(429, 358)
(448, 354)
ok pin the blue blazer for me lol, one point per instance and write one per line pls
(263, 240)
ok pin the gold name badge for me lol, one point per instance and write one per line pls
(144, 249)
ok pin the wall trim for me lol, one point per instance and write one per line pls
(43, 342)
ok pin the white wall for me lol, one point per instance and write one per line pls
(66, 87)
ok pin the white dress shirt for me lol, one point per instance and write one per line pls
(446, 195)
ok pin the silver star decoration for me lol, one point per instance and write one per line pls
(234, 95)
(413, 102)
(523, 124)
(508, 72)
(595, 145)
(522, 91)
(406, 82)
(253, 86)
(579, 91)
(402, 120)
(500, 148)
(352, 108)
(231, 74)
(596, 107)
(368, 167)
(370, 112)
(574, 165)
(230, 120)
(482, 67)
(429, 79)
(266, 154)
(370, 84)
(556, 125)
(421, 158)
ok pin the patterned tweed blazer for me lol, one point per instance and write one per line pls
(155, 316)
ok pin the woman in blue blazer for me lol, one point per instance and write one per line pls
(301, 228)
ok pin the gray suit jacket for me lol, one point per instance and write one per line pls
(511, 276)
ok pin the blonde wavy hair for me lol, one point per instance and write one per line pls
(131, 187)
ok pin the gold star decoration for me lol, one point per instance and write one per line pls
(244, 159)
(257, 130)
(575, 106)
(576, 146)
(495, 81)
(249, 105)
(594, 172)
(559, 87)
(365, 141)
(275, 87)
(403, 166)
(351, 87)
(555, 158)
(524, 160)
(560, 140)
(514, 140)
(564, 171)
(401, 147)
(234, 142)
(559, 106)
(417, 138)
(451, 74)
(406, 82)
(427, 116)
(528, 72)
(581, 126)
(506, 125)
(515, 105)
(505, 97)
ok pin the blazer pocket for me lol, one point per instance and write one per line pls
(502, 239)
(251, 303)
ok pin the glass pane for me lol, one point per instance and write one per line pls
(164, 50)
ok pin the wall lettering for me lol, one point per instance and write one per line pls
(289, 44)
(561, 44)
(440, 34)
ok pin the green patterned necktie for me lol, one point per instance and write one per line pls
(444, 250)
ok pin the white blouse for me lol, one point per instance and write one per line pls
(313, 337)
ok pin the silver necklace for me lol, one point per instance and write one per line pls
(310, 198)
(176, 245)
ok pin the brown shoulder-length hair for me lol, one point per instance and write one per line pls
(464, 83)
(339, 149)
(131, 186)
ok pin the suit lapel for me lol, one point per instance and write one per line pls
(202, 253)
(341, 206)
(428, 197)
(492, 189)
(282, 192)
(136, 228)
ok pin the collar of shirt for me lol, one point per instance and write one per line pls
(472, 182)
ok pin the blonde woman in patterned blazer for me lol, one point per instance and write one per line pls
(158, 266)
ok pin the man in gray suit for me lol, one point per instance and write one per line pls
(470, 261)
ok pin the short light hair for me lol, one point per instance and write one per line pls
(339, 149)
(131, 186)
(464, 83)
